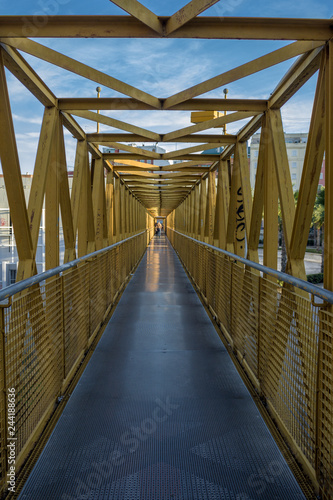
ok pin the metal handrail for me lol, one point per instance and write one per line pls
(322, 293)
(11, 290)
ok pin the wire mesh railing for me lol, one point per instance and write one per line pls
(282, 337)
(48, 323)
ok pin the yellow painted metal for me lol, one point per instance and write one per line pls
(112, 122)
(52, 204)
(13, 182)
(81, 69)
(210, 208)
(36, 198)
(61, 328)
(64, 199)
(210, 119)
(235, 237)
(271, 195)
(132, 138)
(291, 393)
(328, 248)
(202, 209)
(186, 14)
(86, 228)
(98, 203)
(103, 26)
(109, 199)
(282, 174)
(27, 76)
(116, 209)
(125, 103)
(246, 187)
(192, 149)
(310, 177)
(141, 13)
(80, 158)
(246, 69)
(273, 326)
(203, 116)
(222, 205)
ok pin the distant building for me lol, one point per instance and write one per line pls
(296, 147)
(8, 250)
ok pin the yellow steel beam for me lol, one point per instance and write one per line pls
(135, 150)
(310, 175)
(202, 208)
(134, 170)
(73, 127)
(185, 166)
(103, 26)
(246, 186)
(116, 210)
(210, 208)
(109, 195)
(98, 195)
(259, 64)
(192, 149)
(80, 157)
(303, 68)
(295, 78)
(258, 197)
(215, 122)
(186, 14)
(183, 156)
(328, 247)
(65, 62)
(222, 205)
(112, 122)
(64, 200)
(161, 182)
(51, 203)
(13, 182)
(37, 191)
(132, 163)
(19, 67)
(105, 138)
(283, 175)
(126, 103)
(86, 227)
(140, 12)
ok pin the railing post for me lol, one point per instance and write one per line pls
(63, 347)
(259, 354)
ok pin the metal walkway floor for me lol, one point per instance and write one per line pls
(160, 412)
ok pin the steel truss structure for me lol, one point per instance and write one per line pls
(99, 213)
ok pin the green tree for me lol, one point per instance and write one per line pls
(318, 217)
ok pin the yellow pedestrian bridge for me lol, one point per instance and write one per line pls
(170, 366)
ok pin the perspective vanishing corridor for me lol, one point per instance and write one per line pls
(153, 407)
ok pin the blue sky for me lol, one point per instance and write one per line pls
(161, 67)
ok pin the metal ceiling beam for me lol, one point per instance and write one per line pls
(222, 28)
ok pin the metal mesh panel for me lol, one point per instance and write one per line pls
(45, 333)
(245, 317)
(33, 354)
(325, 400)
(289, 380)
(98, 291)
(76, 314)
(286, 343)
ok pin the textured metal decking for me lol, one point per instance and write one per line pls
(160, 412)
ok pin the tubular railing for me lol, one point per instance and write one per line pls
(282, 337)
(47, 326)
